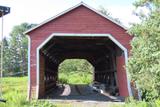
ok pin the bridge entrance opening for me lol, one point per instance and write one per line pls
(100, 52)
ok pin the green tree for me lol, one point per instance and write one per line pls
(144, 63)
(15, 49)
(75, 66)
(6, 53)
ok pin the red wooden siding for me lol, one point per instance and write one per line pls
(79, 20)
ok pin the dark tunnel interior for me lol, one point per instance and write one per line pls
(101, 52)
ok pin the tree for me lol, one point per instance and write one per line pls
(6, 64)
(18, 46)
(76, 66)
(144, 63)
(15, 50)
(6, 59)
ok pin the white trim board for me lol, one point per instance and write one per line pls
(82, 35)
(72, 8)
(29, 81)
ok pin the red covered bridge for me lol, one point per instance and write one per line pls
(79, 32)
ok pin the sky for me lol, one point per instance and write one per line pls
(37, 11)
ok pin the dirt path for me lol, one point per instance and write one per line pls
(81, 93)
(82, 96)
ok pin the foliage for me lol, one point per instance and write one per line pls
(75, 65)
(144, 64)
(6, 53)
(15, 50)
(75, 71)
(19, 46)
(131, 102)
(151, 4)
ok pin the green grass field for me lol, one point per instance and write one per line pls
(15, 92)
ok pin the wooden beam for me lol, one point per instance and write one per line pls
(49, 47)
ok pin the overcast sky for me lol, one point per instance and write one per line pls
(36, 11)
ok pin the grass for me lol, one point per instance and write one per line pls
(15, 92)
(75, 78)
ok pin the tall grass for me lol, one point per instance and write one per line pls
(14, 90)
(75, 78)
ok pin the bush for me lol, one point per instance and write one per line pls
(131, 102)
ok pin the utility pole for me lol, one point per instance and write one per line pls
(3, 11)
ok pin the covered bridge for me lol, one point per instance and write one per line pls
(79, 32)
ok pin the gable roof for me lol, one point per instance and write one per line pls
(72, 8)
